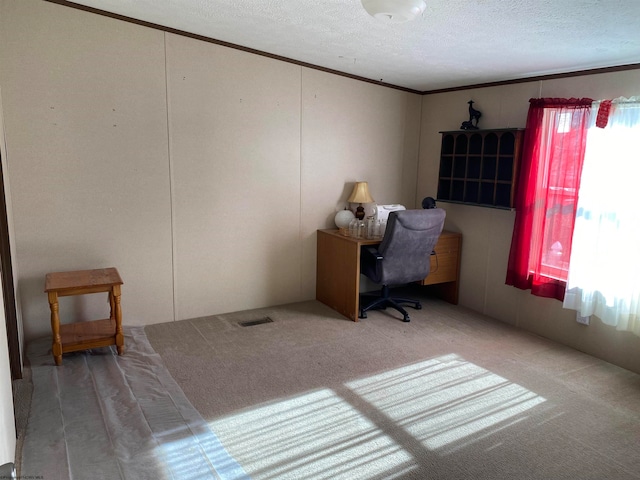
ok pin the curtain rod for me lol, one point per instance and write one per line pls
(618, 102)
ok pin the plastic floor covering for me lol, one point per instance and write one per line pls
(104, 416)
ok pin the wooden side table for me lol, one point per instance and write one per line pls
(89, 334)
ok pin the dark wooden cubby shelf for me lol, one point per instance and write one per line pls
(479, 167)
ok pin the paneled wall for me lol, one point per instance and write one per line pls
(199, 171)
(487, 232)
(234, 138)
(84, 100)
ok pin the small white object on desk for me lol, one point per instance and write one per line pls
(343, 219)
(383, 211)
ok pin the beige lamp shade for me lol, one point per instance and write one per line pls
(360, 193)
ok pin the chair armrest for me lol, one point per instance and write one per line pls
(372, 253)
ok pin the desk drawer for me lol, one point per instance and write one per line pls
(444, 264)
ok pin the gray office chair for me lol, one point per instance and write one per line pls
(403, 256)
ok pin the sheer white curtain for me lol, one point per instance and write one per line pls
(604, 270)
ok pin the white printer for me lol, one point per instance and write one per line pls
(382, 214)
(383, 211)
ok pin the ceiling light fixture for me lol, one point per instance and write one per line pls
(394, 11)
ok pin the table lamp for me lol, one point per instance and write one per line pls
(360, 195)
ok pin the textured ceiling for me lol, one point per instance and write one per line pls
(454, 43)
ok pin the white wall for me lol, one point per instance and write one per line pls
(200, 172)
(487, 232)
(86, 133)
(235, 154)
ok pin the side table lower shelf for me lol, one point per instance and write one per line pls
(84, 335)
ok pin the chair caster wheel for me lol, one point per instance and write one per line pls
(406, 319)
(418, 306)
(363, 315)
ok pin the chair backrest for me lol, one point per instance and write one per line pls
(407, 244)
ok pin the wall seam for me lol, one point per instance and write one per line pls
(419, 154)
(300, 199)
(171, 187)
(487, 266)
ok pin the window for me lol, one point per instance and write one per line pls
(546, 199)
(558, 180)
(604, 272)
(582, 249)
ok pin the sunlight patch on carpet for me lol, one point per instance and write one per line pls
(369, 429)
(317, 435)
(446, 400)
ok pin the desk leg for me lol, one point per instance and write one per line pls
(118, 315)
(56, 347)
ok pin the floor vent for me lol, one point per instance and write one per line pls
(251, 323)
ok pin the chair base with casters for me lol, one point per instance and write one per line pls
(386, 300)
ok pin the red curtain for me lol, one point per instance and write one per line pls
(547, 194)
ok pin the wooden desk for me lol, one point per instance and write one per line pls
(338, 270)
(89, 334)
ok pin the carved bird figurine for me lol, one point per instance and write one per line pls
(474, 115)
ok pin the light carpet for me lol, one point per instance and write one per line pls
(450, 395)
(312, 395)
